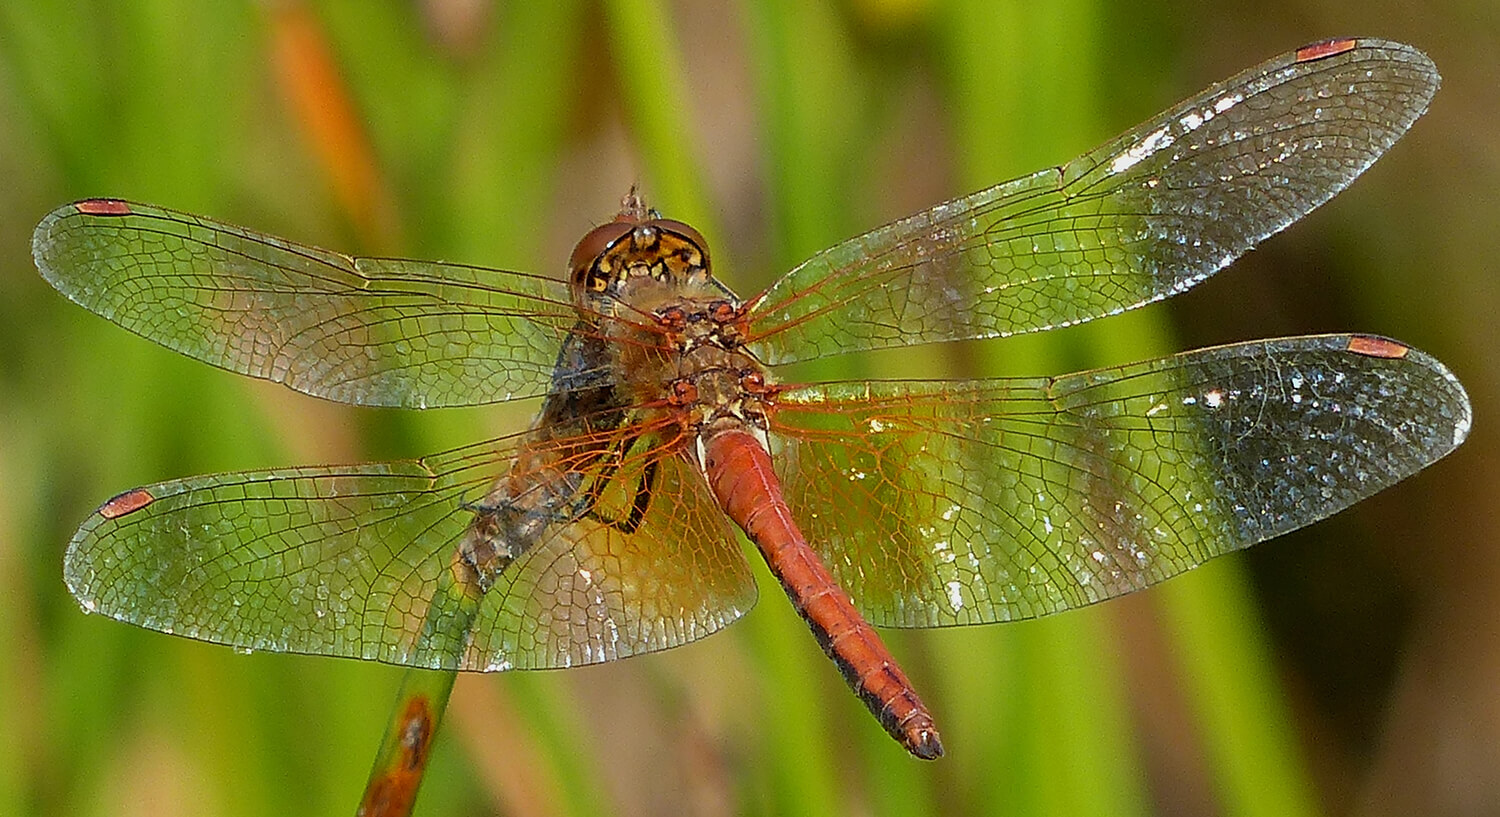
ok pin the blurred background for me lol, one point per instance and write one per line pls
(1350, 669)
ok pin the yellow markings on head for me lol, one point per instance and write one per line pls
(638, 245)
(647, 251)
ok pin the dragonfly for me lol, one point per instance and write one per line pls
(610, 527)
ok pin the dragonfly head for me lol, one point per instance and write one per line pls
(637, 245)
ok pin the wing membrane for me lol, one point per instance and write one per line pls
(958, 503)
(1141, 218)
(595, 592)
(369, 331)
(355, 561)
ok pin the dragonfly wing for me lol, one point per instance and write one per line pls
(369, 331)
(1141, 218)
(358, 562)
(597, 591)
(941, 503)
(325, 560)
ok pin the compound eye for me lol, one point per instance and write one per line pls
(684, 231)
(593, 245)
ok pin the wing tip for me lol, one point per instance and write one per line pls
(1455, 406)
(44, 239)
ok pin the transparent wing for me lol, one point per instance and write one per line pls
(597, 591)
(370, 331)
(1141, 218)
(358, 562)
(941, 503)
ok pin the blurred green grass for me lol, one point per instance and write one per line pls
(778, 128)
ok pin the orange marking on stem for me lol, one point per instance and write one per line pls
(740, 474)
(1326, 48)
(1377, 347)
(128, 502)
(102, 207)
(393, 792)
(310, 79)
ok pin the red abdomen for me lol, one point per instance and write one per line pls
(740, 475)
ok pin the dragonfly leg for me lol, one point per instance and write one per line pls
(639, 503)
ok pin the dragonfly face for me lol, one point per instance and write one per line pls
(610, 527)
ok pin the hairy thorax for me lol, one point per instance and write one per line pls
(688, 363)
(674, 333)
